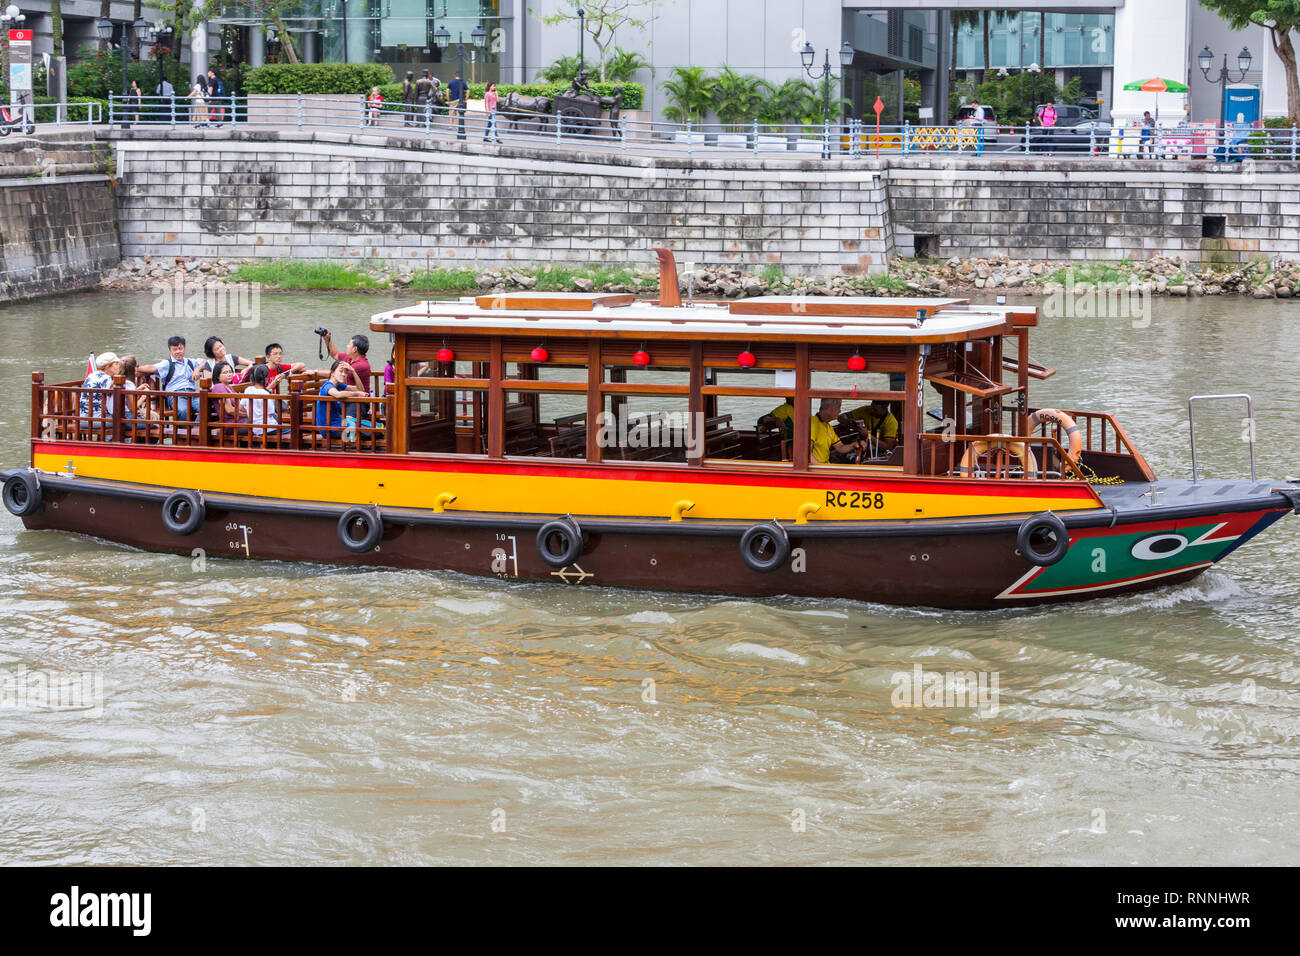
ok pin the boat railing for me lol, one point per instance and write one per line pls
(997, 457)
(284, 421)
(1106, 446)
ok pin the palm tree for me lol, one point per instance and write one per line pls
(736, 97)
(959, 19)
(691, 93)
(786, 103)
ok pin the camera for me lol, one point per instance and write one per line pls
(321, 330)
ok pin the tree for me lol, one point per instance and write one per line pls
(788, 103)
(604, 18)
(56, 26)
(105, 13)
(691, 93)
(1281, 18)
(737, 97)
(961, 18)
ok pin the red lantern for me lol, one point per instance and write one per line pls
(540, 354)
(746, 359)
(641, 358)
(857, 363)
(446, 355)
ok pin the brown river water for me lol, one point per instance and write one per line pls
(265, 713)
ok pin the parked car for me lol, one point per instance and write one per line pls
(1082, 136)
(1067, 114)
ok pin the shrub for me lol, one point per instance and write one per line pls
(318, 78)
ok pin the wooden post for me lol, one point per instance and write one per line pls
(38, 379)
(695, 408)
(1022, 379)
(295, 414)
(399, 411)
(595, 402)
(119, 401)
(912, 412)
(496, 403)
(802, 412)
(205, 408)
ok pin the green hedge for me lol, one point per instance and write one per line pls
(633, 93)
(318, 78)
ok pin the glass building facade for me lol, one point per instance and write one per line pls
(397, 32)
(1052, 40)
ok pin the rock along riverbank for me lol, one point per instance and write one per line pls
(906, 277)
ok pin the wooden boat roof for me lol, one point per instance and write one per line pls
(762, 318)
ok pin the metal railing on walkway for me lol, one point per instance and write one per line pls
(569, 130)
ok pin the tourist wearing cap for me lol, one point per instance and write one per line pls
(107, 364)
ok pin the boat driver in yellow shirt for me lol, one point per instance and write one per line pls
(877, 422)
(822, 433)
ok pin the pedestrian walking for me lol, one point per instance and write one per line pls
(491, 132)
(408, 97)
(133, 98)
(198, 102)
(1048, 119)
(458, 93)
(166, 94)
(216, 92)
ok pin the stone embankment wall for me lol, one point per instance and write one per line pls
(1096, 210)
(323, 195)
(58, 219)
(316, 194)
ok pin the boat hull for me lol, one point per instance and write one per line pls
(963, 564)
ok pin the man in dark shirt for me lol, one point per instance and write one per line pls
(355, 356)
(216, 93)
(458, 92)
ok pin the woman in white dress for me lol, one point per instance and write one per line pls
(198, 97)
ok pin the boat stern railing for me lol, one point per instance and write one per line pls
(1105, 444)
(998, 457)
(1248, 431)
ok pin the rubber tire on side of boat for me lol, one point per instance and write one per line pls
(22, 493)
(1040, 523)
(569, 532)
(184, 512)
(752, 542)
(374, 529)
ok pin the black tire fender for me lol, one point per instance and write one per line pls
(765, 547)
(22, 493)
(569, 534)
(184, 512)
(374, 529)
(1036, 526)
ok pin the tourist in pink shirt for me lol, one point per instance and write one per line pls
(490, 104)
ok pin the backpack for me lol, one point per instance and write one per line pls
(171, 365)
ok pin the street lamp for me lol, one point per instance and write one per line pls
(104, 29)
(1206, 60)
(808, 55)
(160, 34)
(10, 15)
(582, 33)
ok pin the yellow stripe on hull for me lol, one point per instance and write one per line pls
(748, 497)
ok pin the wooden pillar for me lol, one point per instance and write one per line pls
(695, 408)
(802, 410)
(595, 402)
(1022, 379)
(119, 401)
(295, 414)
(38, 379)
(912, 413)
(399, 410)
(496, 403)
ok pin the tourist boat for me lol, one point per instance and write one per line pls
(595, 440)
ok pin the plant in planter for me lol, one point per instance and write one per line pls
(690, 94)
(737, 97)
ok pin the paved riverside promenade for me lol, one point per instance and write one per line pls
(333, 194)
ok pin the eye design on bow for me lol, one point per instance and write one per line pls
(1159, 546)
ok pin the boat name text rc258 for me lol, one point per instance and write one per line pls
(855, 499)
